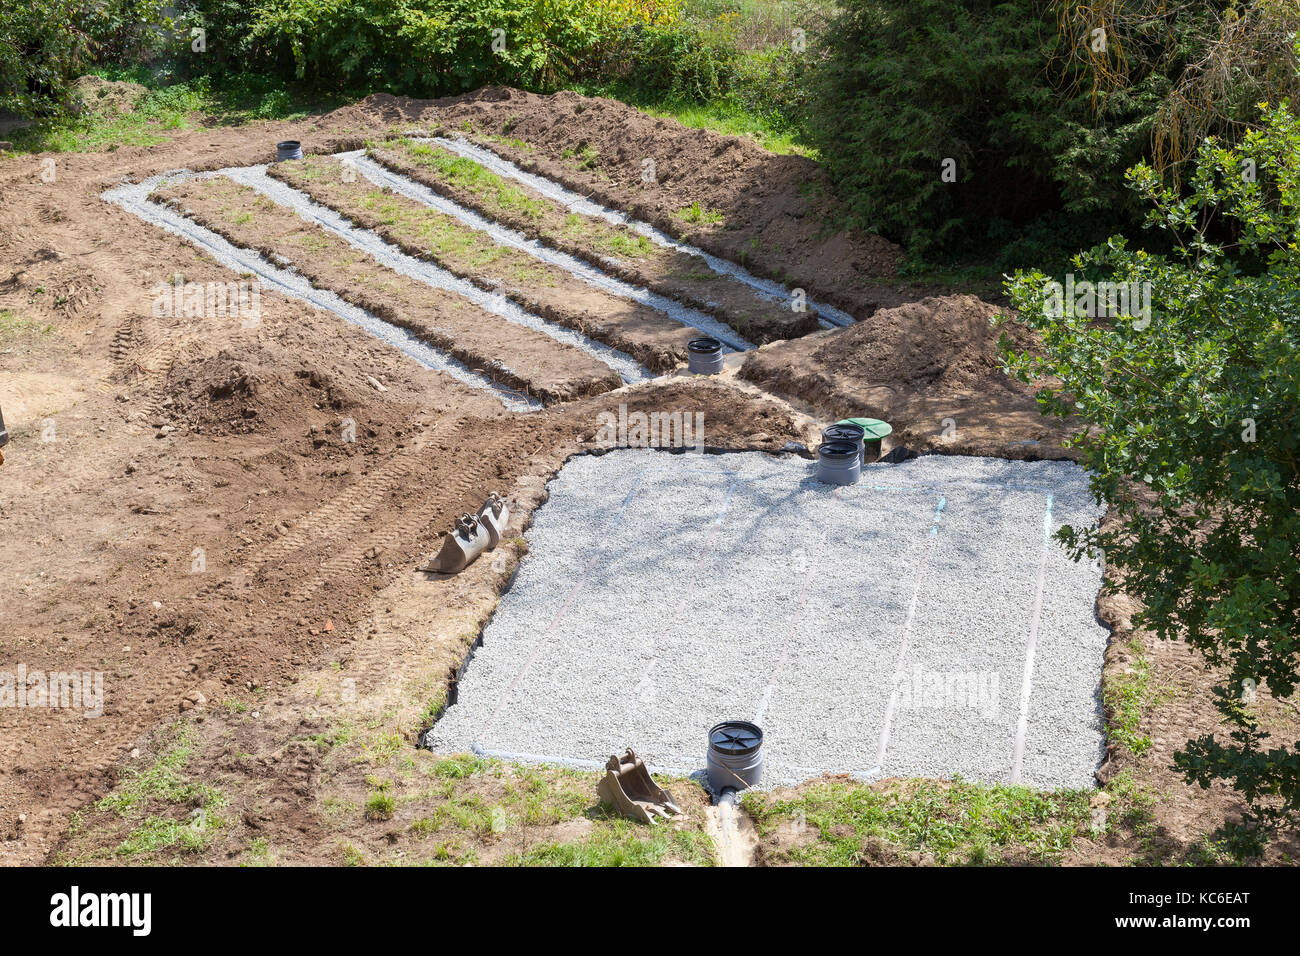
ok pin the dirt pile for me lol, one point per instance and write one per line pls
(227, 394)
(94, 94)
(930, 368)
(937, 343)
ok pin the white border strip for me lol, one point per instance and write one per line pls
(1027, 683)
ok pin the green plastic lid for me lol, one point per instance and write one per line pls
(873, 427)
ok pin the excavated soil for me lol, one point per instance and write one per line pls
(930, 368)
(225, 520)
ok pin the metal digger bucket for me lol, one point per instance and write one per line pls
(628, 787)
(468, 539)
(494, 516)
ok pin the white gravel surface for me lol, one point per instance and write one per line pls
(879, 629)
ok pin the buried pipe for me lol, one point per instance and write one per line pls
(735, 756)
(849, 432)
(828, 316)
(134, 198)
(839, 462)
(288, 149)
(682, 314)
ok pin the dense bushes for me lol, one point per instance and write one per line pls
(905, 85)
(1187, 389)
(1040, 115)
(422, 47)
(44, 47)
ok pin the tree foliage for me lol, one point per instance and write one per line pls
(1191, 416)
(45, 46)
(1041, 105)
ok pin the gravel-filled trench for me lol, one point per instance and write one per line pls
(919, 623)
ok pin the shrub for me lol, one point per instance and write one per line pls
(44, 47)
(904, 85)
(1189, 415)
(681, 61)
(437, 47)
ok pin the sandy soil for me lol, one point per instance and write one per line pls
(183, 513)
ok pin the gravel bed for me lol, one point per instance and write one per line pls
(584, 205)
(881, 629)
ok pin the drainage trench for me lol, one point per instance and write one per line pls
(134, 199)
(682, 314)
(828, 315)
(386, 254)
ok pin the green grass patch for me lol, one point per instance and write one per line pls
(169, 107)
(620, 842)
(380, 805)
(957, 823)
(697, 213)
(1128, 696)
(162, 780)
(13, 327)
(468, 175)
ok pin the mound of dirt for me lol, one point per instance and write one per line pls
(224, 394)
(931, 368)
(937, 343)
(98, 95)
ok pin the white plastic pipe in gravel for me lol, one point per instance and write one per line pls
(583, 205)
(879, 629)
(134, 198)
(402, 185)
(386, 254)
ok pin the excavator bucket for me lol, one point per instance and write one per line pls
(494, 515)
(467, 540)
(628, 787)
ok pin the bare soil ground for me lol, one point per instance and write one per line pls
(520, 357)
(932, 368)
(182, 512)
